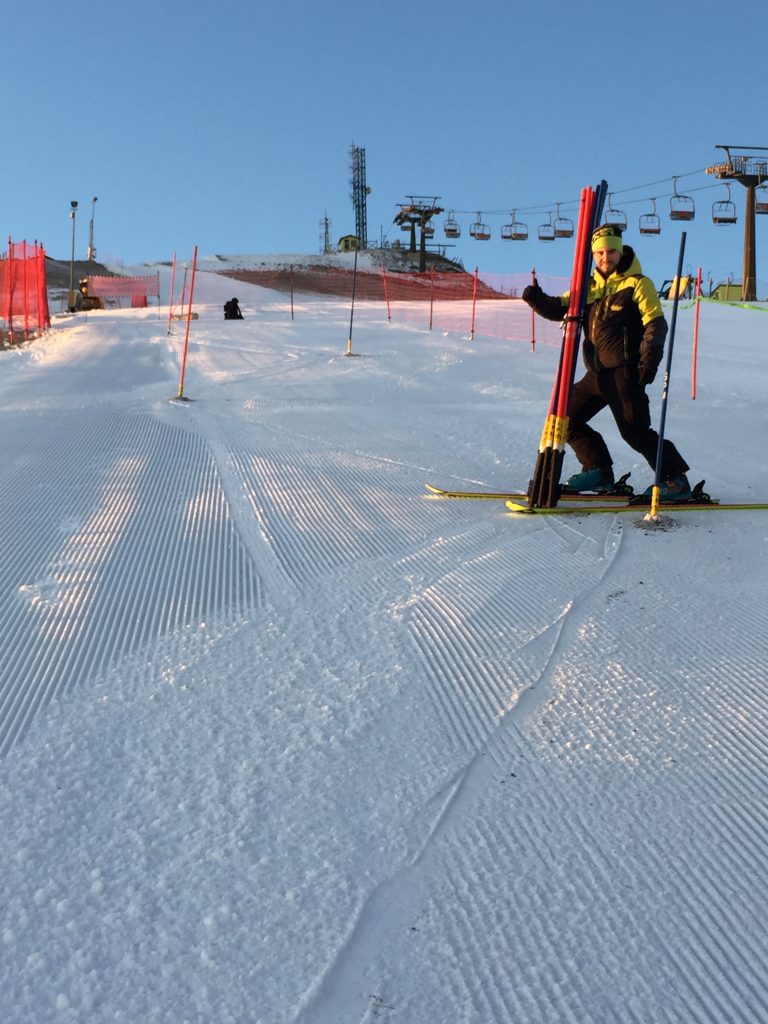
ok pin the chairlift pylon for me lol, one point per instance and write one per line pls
(650, 224)
(515, 231)
(451, 227)
(563, 225)
(724, 211)
(680, 207)
(479, 231)
(613, 216)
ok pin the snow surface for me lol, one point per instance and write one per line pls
(287, 740)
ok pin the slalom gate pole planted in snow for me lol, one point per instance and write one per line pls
(386, 293)
(656, 491)
(186, 336)
(474, 308)
(694, 364)
(349, 351)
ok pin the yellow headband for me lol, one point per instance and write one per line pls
(606, 237)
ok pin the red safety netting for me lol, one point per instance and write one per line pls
(23, 291)
(474, 304)
(116, 287)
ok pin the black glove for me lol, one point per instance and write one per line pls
(532, 294)
(646, 375)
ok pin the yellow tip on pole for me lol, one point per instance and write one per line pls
(655, 495)
(349, 347)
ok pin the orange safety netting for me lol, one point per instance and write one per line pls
(115, 287)
(474, 304)
(23, 290)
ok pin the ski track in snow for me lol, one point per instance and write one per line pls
(526, 833)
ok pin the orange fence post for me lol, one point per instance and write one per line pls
(697, 300)
(25, 289)
(45, 313)
(11, 289)
(386, 292)
(38, 288)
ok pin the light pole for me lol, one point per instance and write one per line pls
(72, 213)
(91, 250)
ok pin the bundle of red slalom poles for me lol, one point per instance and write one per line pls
(544, 488)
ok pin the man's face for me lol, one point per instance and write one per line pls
(606, 260)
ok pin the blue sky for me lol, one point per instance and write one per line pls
(228, 125)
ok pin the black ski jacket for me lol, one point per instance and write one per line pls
(625, 323)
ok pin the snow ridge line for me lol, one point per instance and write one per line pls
(100, 594)
(385, 913)
(319, 520)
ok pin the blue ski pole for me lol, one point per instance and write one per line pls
(656, 492)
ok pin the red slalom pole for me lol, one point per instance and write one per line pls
(186, 337)
(474, 307)
(697, 300)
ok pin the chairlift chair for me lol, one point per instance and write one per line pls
(451, 227)
(547, 231)
(724, 211)
(429, 230)
(681, 207)
(515, 231)
(650, 224)
(479, 231)
(761, 199)
(563, 225)
(617, 217)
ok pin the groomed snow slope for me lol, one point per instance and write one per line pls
(289, 742)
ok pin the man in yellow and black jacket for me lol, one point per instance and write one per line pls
(623, 344)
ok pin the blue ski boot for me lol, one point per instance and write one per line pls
(598, 480)
(675, 489)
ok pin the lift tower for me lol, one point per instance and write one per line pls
(751, 172)
(418, 212)
(360, 193)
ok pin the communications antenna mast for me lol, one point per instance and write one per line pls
(752, 172)
(360, 193)
(325, 235)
